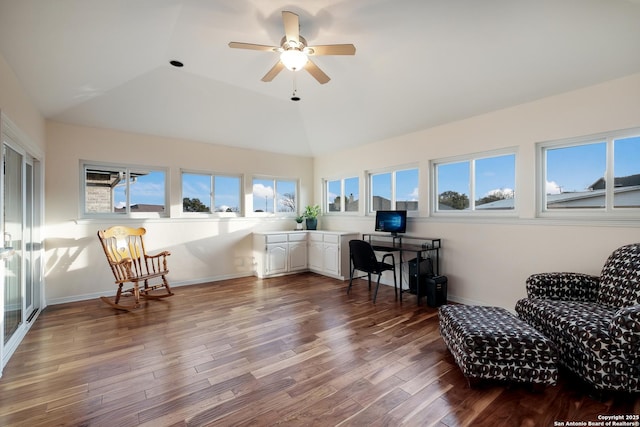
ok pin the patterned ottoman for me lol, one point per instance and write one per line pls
(491, 343)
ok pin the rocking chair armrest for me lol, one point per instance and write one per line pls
(158, 255)
(157, 263)
(122, 269)
(123, 263)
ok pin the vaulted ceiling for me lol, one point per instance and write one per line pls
(418, 63)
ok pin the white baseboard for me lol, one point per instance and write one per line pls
(95, 295)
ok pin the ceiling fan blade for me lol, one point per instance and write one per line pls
(316, 72)
(252, 46)
(273, 72)
(291, 26)
(332, 49)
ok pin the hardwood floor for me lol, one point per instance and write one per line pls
(294, 350)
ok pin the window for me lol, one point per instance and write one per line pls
(626, 172)
(475, 184)
(275, 195)
(342, 195)
(201, 191)
(600, 173)
(394, 190)
(124, 190)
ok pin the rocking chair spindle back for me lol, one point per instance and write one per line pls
(129, 262)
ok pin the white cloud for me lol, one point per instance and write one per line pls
(259, 190)
(414, 194)
(552, 188)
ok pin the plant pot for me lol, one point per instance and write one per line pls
(312, 223)
(298, 226)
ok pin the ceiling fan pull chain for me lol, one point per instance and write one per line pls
(294, 96)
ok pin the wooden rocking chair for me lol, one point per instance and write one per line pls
(129, 262)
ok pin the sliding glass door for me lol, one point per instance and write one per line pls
(20, 254)
(13, 224)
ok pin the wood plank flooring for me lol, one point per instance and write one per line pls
(293, 351)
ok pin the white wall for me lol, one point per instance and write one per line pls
(488, 260)
(16, 104)
(202, 249)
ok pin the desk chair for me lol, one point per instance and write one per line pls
(363, 258)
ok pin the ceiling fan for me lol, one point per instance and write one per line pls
(294, 51)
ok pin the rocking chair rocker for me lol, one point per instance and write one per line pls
(129, 262)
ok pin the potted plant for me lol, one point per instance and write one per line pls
(311, 215)
(299, 220)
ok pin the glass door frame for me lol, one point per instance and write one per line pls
(16, 140)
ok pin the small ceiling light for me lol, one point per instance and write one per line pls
(177, 64)
(293, 59)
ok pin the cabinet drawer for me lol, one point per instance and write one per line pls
(297, 237)
(276, 238)
(315, 237)
(331, 238)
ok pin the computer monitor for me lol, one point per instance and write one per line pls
(393, 222)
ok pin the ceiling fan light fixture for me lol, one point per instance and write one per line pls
(293, 59)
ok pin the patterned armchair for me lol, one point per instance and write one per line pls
(594, 321)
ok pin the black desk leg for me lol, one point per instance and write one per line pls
(418, 261)
(400, 276)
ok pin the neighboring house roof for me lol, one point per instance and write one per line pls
(625, 197)
(141, 207)
(619, 181)
(497, 205)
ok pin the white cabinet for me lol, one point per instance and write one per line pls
(329, 253)
(316, 252)
(324, 252)
(331, 259)
(276, 259)
(271, 254)
(298, 256)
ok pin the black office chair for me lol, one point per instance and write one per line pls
(363, 258)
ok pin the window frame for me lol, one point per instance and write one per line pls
(275, 213)
(472, 158)
(88, 164)
(393, 170)
(212, 213)
(325, 194)
(609, 211)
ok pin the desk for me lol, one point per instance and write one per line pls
(412, 244)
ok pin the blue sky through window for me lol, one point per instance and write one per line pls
(568, 168)
(407, 185)
(626, 156)
(147, 189)
(197, 186)
(453, 177)
(575, 168)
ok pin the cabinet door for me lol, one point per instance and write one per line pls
(331, 258)
(276, 261)
(297, 256)
(316, 254)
